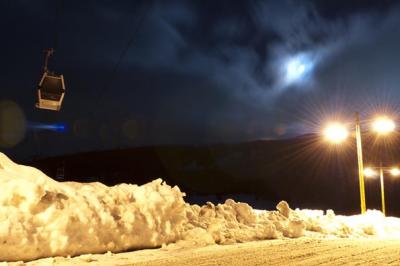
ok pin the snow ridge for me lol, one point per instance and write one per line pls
(40, 217)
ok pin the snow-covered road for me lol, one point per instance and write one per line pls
(301, 251)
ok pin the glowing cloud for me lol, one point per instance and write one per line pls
(297, 68)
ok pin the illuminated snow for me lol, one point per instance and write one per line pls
(40, 217)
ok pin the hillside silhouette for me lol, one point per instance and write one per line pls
(306, 171)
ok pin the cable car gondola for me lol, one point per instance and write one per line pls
(51, 88)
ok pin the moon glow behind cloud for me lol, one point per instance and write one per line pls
(297, 68)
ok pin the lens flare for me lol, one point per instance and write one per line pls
(12, 124)
(395, 171)
(57, 127)
(336, 133)
(383, 125)
(369, 172)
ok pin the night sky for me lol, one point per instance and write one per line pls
(192, 72)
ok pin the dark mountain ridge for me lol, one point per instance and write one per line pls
(306, 171)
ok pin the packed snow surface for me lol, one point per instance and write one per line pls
(40, 217)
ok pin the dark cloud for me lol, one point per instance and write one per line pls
(196, 71)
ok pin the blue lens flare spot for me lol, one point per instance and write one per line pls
(57, 127)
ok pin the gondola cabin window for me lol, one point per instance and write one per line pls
(51, 92)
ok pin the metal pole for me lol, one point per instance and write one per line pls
(360, 164)
(382, 190)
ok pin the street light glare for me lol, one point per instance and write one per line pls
(395, 171)
(383, 125)
(336, 133)
(369, 172)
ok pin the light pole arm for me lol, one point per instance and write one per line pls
(49, 52)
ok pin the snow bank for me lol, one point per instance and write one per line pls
(40, 217)
(233, 222)
(371, 224)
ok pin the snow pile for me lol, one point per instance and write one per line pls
(40, 217)
(371, 224)
(233, 222)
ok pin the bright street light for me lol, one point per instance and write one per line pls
(336, 133)
(369, 172)
(383, 125)
(395, 171)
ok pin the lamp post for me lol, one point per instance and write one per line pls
(383, 126)
(360, 164)
(369, 172)
(382, 190)
(337, 133)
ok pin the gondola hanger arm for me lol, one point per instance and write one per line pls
(49, 52)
